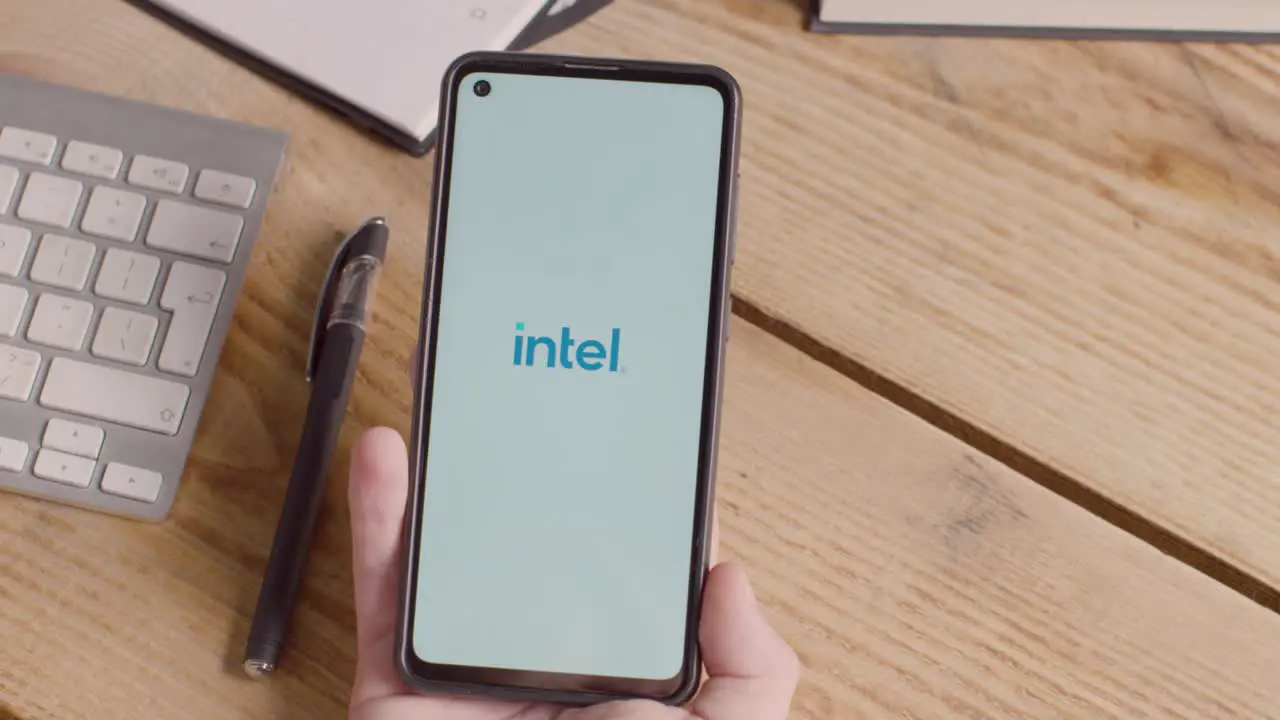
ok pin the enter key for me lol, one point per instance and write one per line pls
(191, 294)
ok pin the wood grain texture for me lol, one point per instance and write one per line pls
(916, 577)
(1073, 247)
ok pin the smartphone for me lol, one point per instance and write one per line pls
(574, 323)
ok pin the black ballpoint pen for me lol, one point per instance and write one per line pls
(336, 342)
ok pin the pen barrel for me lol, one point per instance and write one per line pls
(305, 495)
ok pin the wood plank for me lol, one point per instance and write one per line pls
(1072, 247)
(919, 578)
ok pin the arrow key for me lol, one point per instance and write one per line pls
(63, 468)
(73, 438)
(13, 454)
(131, 482)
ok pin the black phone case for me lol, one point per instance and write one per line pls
(692, 678)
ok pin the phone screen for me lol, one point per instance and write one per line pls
(568, 394)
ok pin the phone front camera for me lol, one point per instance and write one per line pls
(483, 88)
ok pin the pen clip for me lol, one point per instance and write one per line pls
(324, 308)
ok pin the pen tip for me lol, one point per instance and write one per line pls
(258, 668)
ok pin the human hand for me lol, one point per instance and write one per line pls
(752, 671)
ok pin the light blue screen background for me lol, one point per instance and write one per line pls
(559, 504)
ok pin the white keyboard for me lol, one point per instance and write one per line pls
(125, 232)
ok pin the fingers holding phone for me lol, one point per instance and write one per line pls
(752, 672)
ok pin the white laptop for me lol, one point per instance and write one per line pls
(1225, 19)
(379, 62)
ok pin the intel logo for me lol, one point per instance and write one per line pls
(566, 352)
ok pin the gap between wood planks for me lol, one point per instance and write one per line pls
(1039, 472)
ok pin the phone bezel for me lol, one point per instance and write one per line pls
(546, 686)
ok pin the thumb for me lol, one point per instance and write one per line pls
(753, 672)
(377, 493)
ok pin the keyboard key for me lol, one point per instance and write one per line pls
(158, 174)
(60, 322)
(125, 336)
(27, 145)
(13, 454)
(114, 214)
(50, 200)
(195, 231)
(131, 482)
(225, 188)
(18, 368)
(63, 262)
(88, 159)
(104, 393)
(13, 249)
(191, 294)
(64, 468)
(74, 438)
(8, 182)
(13, 300)
(127, 276)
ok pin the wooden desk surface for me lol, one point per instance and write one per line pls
(1003, 371)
